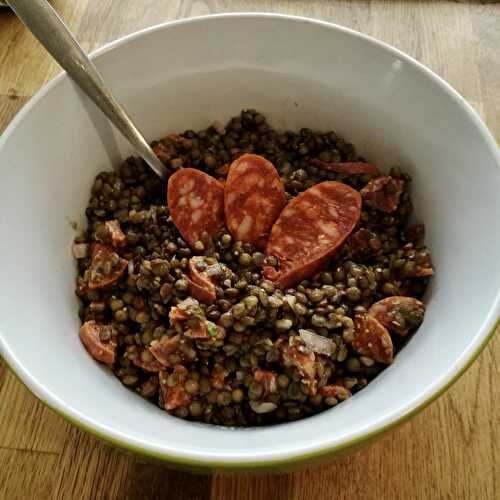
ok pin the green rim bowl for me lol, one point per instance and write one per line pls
(300, 73)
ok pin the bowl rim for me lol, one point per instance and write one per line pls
(485, 333)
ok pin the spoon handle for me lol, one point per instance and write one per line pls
(45, 24)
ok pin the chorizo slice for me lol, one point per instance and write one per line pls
(336, 390)
(196, 204)
(106, 267)
(398, 314)
(383, 193)
(143, 359)
(303, 361)
(353, 168)
(372, 339)
(203, 277)
(99, 340)
(218, 377)
(422, 272)
(172, 389)
(164, 348)
(204, 293)
(309, 231)
(149, 387)
(267, 379)
(253, 198)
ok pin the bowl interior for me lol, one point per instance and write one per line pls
(300, 74)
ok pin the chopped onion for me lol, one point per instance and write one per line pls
(80, 250)
(130, 267)
(291, 300)
(152, 214)
(262, 406)
(317, 343)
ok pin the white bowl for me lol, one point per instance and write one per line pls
(298, 72)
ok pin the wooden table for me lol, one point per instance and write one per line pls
(451, 450)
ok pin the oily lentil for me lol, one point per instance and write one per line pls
(253, 370)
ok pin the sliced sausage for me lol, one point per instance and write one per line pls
(99, 341)
(106, 267)
(372, 339)
(422, 272)
(189, 319)
(336, 390)
(267, 379)
(174, 395)
(253, 198)
(149, 387)
(204, 293)
(143, 359)
(398, 314)
(352, 168)
(203, 278)
(163, 349)
(196, 204)
(310, 229)
(218, 377)
(383, 193)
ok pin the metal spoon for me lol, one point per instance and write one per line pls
(42, 20)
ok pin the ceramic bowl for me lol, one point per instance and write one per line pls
(300, 73)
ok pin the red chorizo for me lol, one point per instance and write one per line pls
(353, 168)
(203, 277)
(253, 198)
(398, 314)
(143, 359)
(335, 390)
(196, 203)
(218, 376)
(99, 341)
(267, 379)
(372, 339)
(174, 396)
(106, 267)
(383, 193)
(310, 229)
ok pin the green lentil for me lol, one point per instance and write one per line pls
(224, 398)
(353, 365)
(283, 324)
(121, 316)
(226, 319)
(191, 386)
(237, 395)
(282, 381)
(195, 409)
(181, 284)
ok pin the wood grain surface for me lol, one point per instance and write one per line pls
(449, 451)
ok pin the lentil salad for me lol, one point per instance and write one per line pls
(247, 351)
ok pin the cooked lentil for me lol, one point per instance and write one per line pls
(253, 327)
